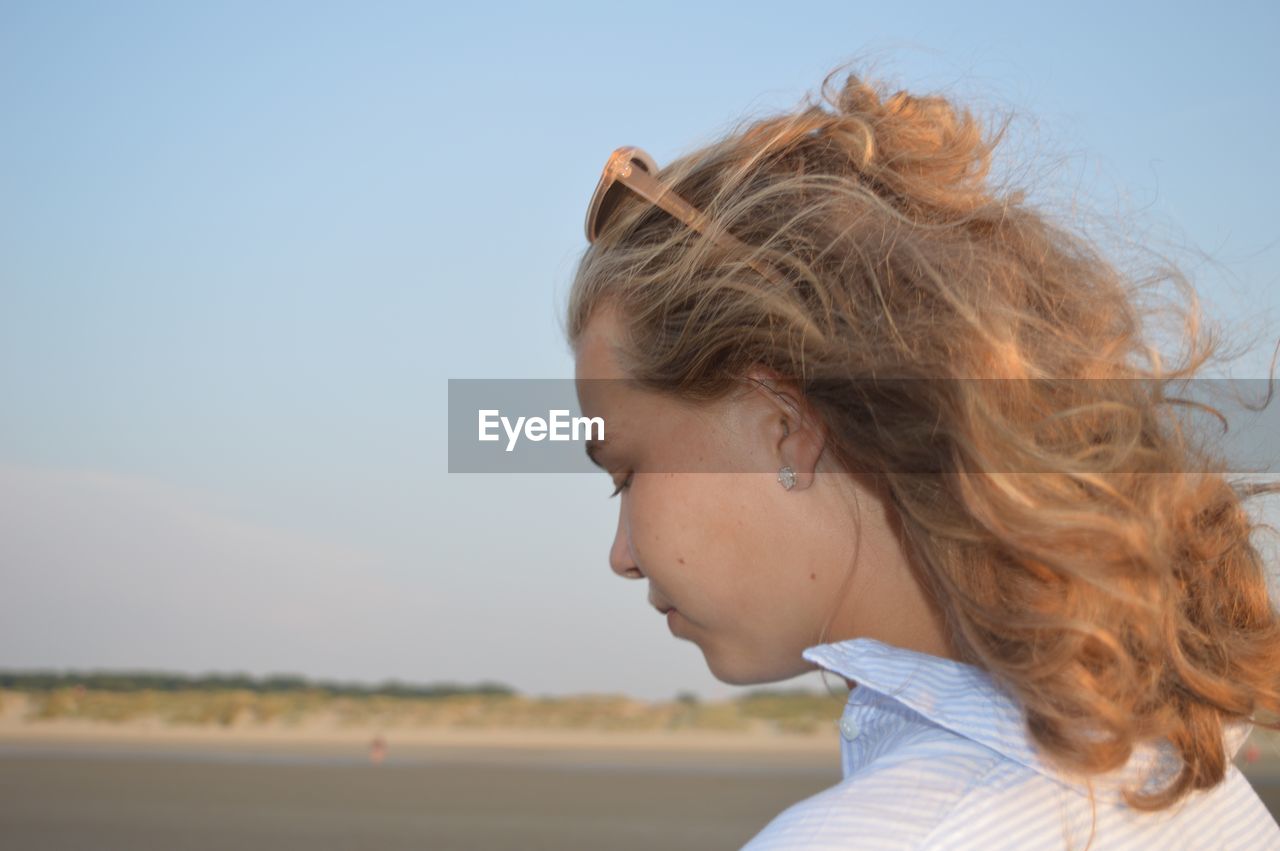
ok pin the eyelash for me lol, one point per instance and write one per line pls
(626, 483)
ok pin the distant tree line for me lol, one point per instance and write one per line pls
(129, 681)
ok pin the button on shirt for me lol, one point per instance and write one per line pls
(936, 756)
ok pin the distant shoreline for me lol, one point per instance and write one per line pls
(329, 737)
(219, 719)
(323, 733)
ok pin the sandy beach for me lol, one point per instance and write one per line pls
(73, 784)
(322, 733)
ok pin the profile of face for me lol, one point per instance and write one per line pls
(751, 570)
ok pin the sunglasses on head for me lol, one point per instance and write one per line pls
(630, 168)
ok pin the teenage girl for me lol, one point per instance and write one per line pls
(869, 413)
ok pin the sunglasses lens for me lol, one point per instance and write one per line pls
(603, 207)
(608, 205)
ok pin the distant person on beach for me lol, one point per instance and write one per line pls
(956, 482)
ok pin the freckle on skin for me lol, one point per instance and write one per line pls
(680, 559)
(813, 576)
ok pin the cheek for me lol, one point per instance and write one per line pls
(740, 506)
(660, 510)
(715, 521)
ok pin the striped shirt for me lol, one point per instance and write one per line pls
(934, 755)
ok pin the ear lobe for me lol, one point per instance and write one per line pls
(800, 448)
(802, 436)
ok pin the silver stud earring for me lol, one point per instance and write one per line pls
(787, 476)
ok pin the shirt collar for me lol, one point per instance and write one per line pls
(965, 699)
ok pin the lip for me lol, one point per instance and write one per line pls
(662, 608)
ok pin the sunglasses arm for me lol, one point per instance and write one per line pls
(648, 187)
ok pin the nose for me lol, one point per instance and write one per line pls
(621, 558)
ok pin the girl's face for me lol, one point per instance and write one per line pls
(752, 570)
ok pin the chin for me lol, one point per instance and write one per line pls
(746, 673)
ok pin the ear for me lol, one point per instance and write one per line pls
(797, 433)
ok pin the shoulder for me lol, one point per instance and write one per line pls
(1043, 813)
(896, 800)
(969, 799)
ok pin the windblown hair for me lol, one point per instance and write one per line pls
(1117, 589)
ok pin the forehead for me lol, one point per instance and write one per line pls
(630, 410)
(597, 375)
(596, 352)
(603, 387)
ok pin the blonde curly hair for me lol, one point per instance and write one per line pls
(1117, 589)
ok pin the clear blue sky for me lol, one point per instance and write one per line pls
(243, 246)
